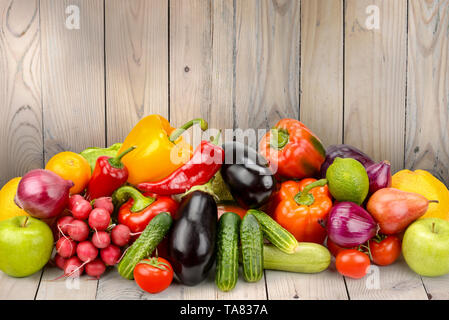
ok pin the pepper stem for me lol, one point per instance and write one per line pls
(117, 161)
(122, 194)
(178, 132)
(279, 138)
(216, 139)
(304, 197)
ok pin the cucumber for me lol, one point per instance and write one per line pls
(308, 258)
(275, 233)
(251, 237)
(227, 271)
(153, 234)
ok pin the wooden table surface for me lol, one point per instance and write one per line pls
(239, 64)
(395, 282)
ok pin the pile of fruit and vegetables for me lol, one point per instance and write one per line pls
(222, 208)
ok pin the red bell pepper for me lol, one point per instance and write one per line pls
(293, 150)
(204, 164)
(109, 174)
(136, 210)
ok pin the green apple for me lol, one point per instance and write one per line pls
(26, 244)
(426, 247)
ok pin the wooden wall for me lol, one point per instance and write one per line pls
(237, 63)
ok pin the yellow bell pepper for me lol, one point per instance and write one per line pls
(426, 184)
(160, 149)
(8, 208)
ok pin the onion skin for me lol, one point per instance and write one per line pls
(43, 194)
(349, 225)
(379, 175)
(344, 151)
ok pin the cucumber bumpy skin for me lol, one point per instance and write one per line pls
(251, 237)
(153, 234)
(275, 233)
(227, 271)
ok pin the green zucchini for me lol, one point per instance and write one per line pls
(251, 237)
(308, 258)
(227, 271)
(274, 232)
(153, 234)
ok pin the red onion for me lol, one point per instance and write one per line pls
(379, 176)
(349, 225)
(344, 151)
(43, 194)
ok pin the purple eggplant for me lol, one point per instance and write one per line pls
(379, 175)
(344, 151)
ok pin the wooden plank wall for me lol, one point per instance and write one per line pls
(239, 64)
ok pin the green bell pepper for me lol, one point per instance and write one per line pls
(92, 154)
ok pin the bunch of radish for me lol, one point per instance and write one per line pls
(88, 242)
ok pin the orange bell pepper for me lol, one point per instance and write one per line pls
(301, 208)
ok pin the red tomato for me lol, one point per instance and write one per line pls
(334, 248)
(386, 251)
(352, 263)
(225, 207)
(153, 275)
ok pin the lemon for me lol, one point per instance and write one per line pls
(8, 208)
(348, 180)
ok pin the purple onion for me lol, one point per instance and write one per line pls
(349, 225)
(344, 151)
(43, 194)
(379, 176)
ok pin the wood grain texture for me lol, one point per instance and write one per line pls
(267, 62)
(83, 288)
(190, 63)
(437, 288)
(21, 139)
(395, 282)
(113, 287)
(375, 80)
(72, 77)
(428, 88)
(223, 41)
(136, 47)
(327, 285)
(19, 288)
(321, 107)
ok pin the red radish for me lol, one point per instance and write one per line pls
(110, 255)
(73, 267)
(74, 199)
(104, 203)
(120, 235)
(99, 219)
(81, 210)
(66, 247)
(86, 251)
(78, 230)
(63, 224)
(95, 268)
(101, 239)
(59, 261)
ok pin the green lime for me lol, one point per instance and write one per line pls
(348, 180)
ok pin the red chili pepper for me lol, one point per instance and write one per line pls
(206, 161)
(109, 175)
(136, 210)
